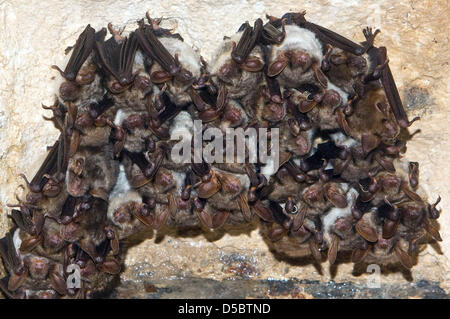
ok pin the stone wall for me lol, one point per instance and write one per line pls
(416, 33)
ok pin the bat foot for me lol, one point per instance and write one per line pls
(370, 38)
(116, 34)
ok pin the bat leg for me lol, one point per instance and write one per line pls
(273, 19)
(153, 22)
(168, 109)
(376, 73)
(325, 64)
(294, 17)
(247, 42)
(199, 103)
(370, 38)
(271, 35)
(115, 33)
(58, 115)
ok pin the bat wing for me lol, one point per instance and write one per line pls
(80, 53)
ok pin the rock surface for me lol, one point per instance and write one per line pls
(416, 33)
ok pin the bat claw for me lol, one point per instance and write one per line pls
(325, 64)
(417, 118)
(55, 67)
(370, 37)
(116, 34)
(153, 22)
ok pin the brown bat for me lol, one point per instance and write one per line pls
(150, 44)
(47, 180)
(116, 57)
(325, 35)
(80, 52)
(247, 42)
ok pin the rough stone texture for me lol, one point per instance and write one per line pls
(416, 33)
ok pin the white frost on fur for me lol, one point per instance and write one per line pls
(17, 241)
(344, 187)
(182, 125)
(122, 186)
(121, 193)
(341, 139)
(120, 116)
(313, 141)
(187, 56)
(269, 169)
(334, 213)
(402, 167)
(179, 178)
(138, 61)
(244, 179)
(299, 39)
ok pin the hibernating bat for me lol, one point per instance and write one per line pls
(80, 52)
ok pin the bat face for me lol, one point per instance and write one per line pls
(295, 60)
(345, 69)
(339, 185)
(239, 78)
(382, 125)
(86, 85)
(91, 172)
(116, 57)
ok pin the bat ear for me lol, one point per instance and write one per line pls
(219, 218)
(159, 77)
(403, 257)
(252, 64)
(369, 142)
(277, 66)
(222, 97)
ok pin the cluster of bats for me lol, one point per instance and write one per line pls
(341, 183)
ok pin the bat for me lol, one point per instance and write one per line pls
(117, 58)
(80, 52)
